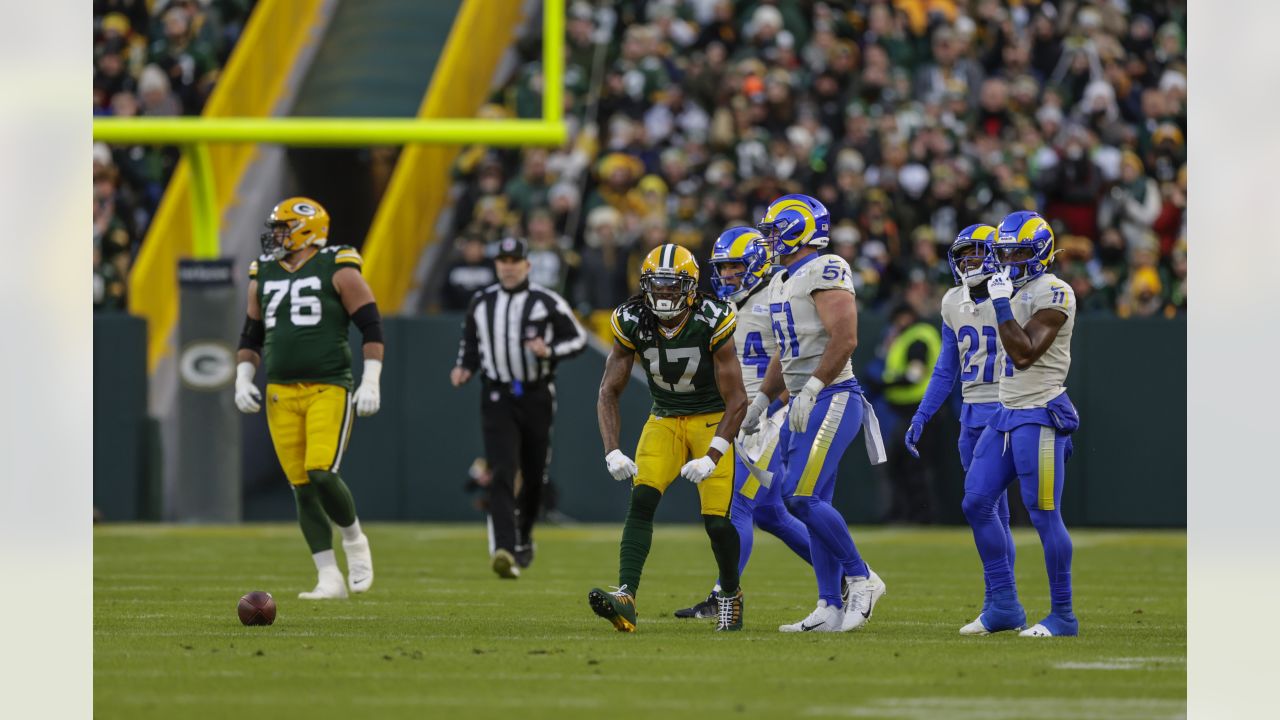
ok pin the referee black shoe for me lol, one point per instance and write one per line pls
(705, 609)
(524, 554)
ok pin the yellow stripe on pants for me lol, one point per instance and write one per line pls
(822, 444)
(1048, 436)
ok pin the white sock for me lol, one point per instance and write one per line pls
(325, 560)
(351, 533)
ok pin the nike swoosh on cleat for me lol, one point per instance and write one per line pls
(713, 424)
(807, 628)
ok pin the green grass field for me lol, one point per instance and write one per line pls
(439, 635)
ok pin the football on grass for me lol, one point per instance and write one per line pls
(257, 608)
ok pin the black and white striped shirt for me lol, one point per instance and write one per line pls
(499, 322)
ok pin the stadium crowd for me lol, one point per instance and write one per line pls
(909, 119)
(150, 58)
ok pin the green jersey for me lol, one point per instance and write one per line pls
(680, 368)
(305, 321)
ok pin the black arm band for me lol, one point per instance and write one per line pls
(252, 335)
(369, 321)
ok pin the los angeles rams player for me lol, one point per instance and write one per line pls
(971, 351)
(815, 323)
(1028, 437)
(686, 342)
(302, 295)
(739, 274)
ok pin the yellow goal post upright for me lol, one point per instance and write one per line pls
(194, 134)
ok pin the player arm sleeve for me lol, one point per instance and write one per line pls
(253, 335)
(723, 332)
(620, 332)
(943, 379)
(570, 338)
(469, 346)
(369, 321)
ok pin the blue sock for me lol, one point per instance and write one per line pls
(1057, 558)
(990, 537)
(1003, 511)
(740, 514)
(830, 547)
(775, 520)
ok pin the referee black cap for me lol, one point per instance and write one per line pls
(512, 247)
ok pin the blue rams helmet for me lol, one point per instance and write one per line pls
(794, 221)
(738, 245)
(972, 242)
(1024, 245)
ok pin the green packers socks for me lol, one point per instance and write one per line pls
(335, 496)
(726, 546)
(312, 518)
(637, 537)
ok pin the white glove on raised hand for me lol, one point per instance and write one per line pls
(248, 397)
(695, 471)
(802, 405)
(751, 421)
(368, 396)
(621, 467)
(1000, 286)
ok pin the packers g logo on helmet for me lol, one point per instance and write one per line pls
(794, 221)
(295, 223)
(669, 280)
(960, 255)
(739, 245)
(1024, 245)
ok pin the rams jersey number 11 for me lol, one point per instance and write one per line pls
(680, 368)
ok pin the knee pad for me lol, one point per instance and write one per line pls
(769, 517)
(977, 507)
(644, 502)
(717, 524)
(801, 505)
(321, 478)
(1046, 519)
(306, 494)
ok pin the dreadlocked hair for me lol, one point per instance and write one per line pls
(648, 321)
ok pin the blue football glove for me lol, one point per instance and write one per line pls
(913, 437)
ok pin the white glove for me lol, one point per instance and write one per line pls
(802, 405)
(751, 421)
(248, 397)
(621, 467)
(695, 471)
(368, 396)
(1000, 286)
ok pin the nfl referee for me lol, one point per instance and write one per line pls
(514, 334)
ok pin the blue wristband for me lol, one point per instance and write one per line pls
(1004, 311)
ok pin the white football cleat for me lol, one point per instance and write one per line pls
(329, 587)
(824, 618)
(1036, 630)
(975, 628)
(359, 564)
(860, 596)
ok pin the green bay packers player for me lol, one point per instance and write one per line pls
(685, 341)
(302, 296)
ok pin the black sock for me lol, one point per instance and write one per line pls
(726, 546)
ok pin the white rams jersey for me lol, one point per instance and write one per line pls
(982, 361)
(797, 328)
(1043, 381)
(754, 339)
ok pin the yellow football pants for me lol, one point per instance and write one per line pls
(666, 444)
(310, 426)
